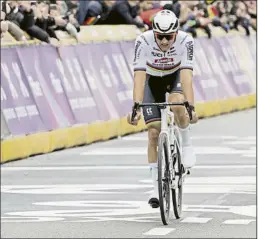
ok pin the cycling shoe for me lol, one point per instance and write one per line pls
(154, 202)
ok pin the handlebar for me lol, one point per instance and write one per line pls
(162, 105)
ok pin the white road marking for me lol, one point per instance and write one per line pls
(72, 188)
(128, 219)
(143, 151)
(192, 185)
(249, 211)
(196, 220)
(31, 219)
(145, 138)
(63, 168)
(249, 155)
(159, 231)
(141, 206)
(238, 221)
(243, 180)
(113, 167)
(116, 210)
(206, 185)
(241, 142)
(229, 137)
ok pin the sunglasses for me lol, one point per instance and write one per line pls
(167, 36)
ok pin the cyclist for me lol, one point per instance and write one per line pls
(163, 62)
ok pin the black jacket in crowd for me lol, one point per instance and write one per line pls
(123, 13)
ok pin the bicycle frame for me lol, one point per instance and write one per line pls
(174, 137)
(170, 130)
(166, 128)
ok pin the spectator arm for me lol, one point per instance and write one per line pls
(71, 29)
(15, 31)
(124, 11)
(38, 33)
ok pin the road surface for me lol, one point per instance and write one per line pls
(101, 190)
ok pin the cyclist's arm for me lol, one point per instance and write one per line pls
(139, 69)
(139, 83)
(186, 69)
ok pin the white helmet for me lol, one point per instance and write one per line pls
(165, 22)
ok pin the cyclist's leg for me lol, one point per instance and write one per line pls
(182, 120)
(152, 116)
(152, 119)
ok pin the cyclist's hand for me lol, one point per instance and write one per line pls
(136, 119)
(194, 118)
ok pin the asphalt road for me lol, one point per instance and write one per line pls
(101, 190)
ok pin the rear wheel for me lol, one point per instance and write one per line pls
(164, 178)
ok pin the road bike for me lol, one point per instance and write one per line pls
(171, 172)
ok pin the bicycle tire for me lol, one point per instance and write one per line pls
(177, 197)
(164, 184)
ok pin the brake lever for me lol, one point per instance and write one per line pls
(135, 108)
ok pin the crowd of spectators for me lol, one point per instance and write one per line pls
(41, 19)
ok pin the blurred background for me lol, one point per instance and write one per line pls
(26, 20)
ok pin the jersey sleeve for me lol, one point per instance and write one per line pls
(140, 55)
(187, 61)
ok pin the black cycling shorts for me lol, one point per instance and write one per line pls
(154, 92)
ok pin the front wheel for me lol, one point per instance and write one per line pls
(177, 192)
(164, 178)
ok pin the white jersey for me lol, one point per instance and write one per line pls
(148, 56)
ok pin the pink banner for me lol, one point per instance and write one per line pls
(42, 90)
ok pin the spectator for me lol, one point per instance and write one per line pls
(242, 17)
(65, 22)
(4, 28)
(219, 17)
(147, 11)
(88, 9)
(28, 22)
(41, 19)
(174, 6)
(13, 29)
(62, 7)
(107, 6)
(125, 12)
(19, 16)
(45, 21)
(9, 26)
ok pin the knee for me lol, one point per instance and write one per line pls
(179, 111)
(153, 135)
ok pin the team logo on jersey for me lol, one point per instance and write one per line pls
(156, 54)
(136, 53)
(149, 111)
(189, 46)
(164, 60)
